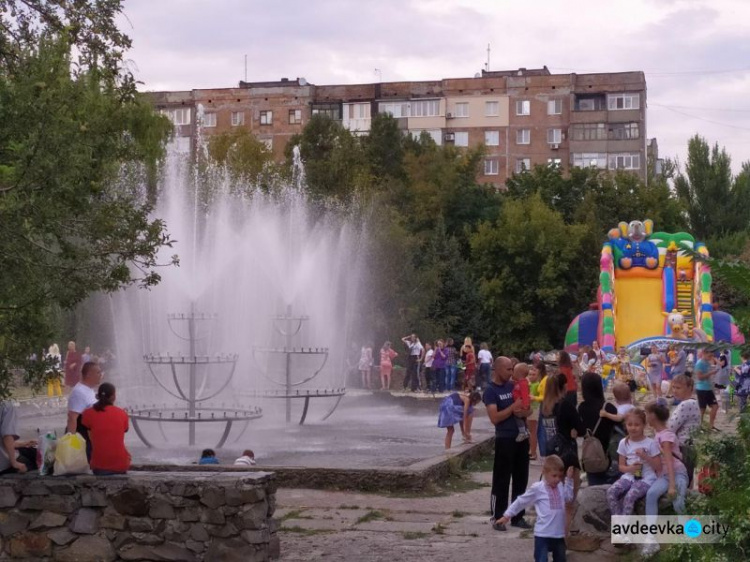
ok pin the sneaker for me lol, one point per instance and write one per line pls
(521, 524)
(498, 526)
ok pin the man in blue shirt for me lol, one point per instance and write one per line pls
(511, 456)
(703, 387)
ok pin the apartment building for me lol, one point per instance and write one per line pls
(522, 117)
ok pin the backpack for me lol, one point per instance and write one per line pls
(593, 457)
(556, 444)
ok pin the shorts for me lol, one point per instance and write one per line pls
(705, 398)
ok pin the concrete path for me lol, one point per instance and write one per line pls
(345, 526)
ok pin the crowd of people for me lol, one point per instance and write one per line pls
(67, 371)
(439, 366)
(634, 442)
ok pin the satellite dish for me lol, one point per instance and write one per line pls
(477, 75)
(302, 82)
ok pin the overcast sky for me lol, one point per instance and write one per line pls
(696, 53)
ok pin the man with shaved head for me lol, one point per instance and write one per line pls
(511, 456)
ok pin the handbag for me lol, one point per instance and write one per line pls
(593, 457)
(70, 455)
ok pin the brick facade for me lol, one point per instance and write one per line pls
(522, 116)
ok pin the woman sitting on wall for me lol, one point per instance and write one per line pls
(107, 425)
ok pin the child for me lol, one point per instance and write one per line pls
(208, 457)
(247, 459)
(365, 366)
(673, 478)
(536, 373)
(549, 497)
(624, 371)
(671, 361)
(521, 392)
(742, 384)
(429, 374)
(457, 409)
(639, 463)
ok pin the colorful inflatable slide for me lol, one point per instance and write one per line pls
(649, 289)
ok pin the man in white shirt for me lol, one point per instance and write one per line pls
(81, 397)
(412, 363)
(485, 366)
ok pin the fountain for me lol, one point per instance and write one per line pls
(259, 312)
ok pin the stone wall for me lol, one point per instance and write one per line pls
(169, 516)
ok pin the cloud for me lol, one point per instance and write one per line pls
(185, 44)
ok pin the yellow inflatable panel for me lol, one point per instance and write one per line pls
(637, 309)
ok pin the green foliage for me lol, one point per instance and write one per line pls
(69, 227)
(526, 261)
(729, 502)
(716, 202)
(247, 159)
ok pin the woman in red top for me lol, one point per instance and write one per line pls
(107, 425)
(571, 386)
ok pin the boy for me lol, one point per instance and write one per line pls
(742, 384)
(521, 392)
(247, 459)
(549, 497)
(704, 370)
(623, 403)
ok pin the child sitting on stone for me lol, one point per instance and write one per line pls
(208, 456)
(247, 459)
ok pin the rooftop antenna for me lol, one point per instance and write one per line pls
(379, 73)
(245, 68)
(487, 64)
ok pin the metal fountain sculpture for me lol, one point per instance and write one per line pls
(289, 326)
(190, 387)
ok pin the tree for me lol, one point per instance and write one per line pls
(69, 224)
(384, 148)
(716, 202)
(529, 280)
(335, 166)
(247, 160)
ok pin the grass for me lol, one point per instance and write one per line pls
(413, 535)
(294, 514)
(372, 515)
(344, 506)
(306, 532)
(481, 464)
(438, 529)
(458, 514)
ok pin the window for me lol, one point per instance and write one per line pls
(589, 131)
(554, 162)
(435, 134)
(295, 116)
(238, 118)
(523, 107)
(554, 107)
(554, 136)
(523, 136)
(179, 116)
(623, 131)
(266, 117)
(462, 138)
(461, 109)
(492, 138)
(330, 110)
(492, 108)
(209, 120)
(396, 109)
(425, 108)
(268, 143)
(595, 102)
(359, 110)
(523, 165)
(589, 159)
(625, 161)
(623, 101)
(491, 167)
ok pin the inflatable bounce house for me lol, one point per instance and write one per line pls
(651, 292)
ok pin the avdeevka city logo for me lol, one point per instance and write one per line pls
(693, 528)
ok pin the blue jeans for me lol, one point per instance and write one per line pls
(544, 545)
(660, 487)
(485, 370)
(439, 375)
(451, 372)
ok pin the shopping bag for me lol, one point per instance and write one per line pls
(46, 453)
(70, 455)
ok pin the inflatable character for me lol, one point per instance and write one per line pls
(677, 328)
(635, 250)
